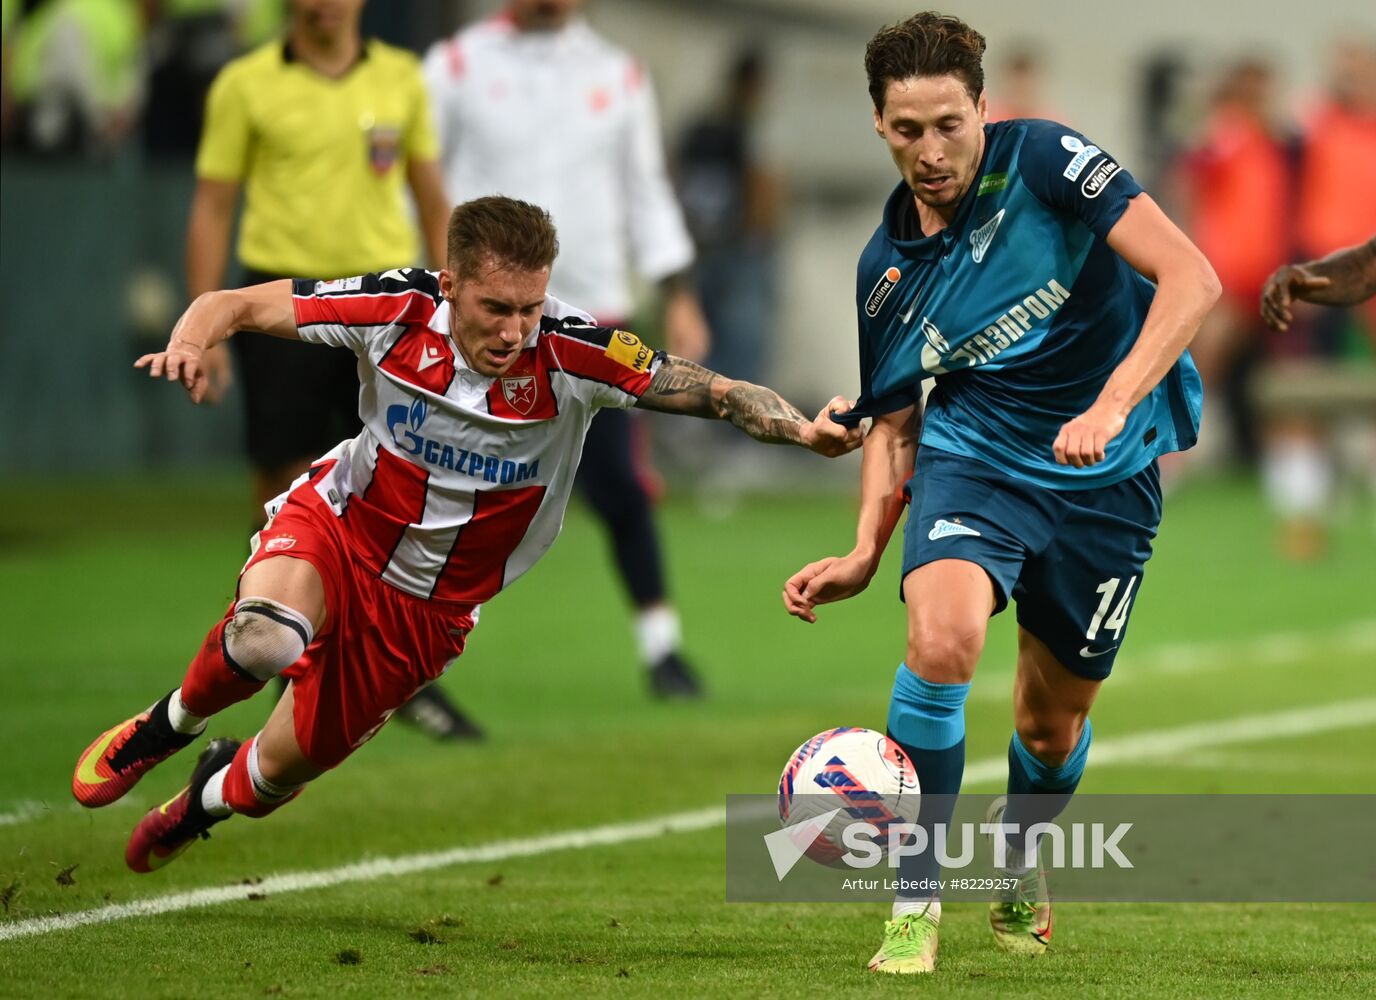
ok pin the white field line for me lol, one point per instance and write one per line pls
(367, 871)
(1185, 659)
(1125, 749)
(1276, 761)
(1188, 659)
(1160, 744)
(22, 812)
(30, 809)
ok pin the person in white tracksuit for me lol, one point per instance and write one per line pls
(533, 104)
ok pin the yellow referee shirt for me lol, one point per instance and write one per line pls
(323, 160)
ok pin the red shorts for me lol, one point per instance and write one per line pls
(378, 646)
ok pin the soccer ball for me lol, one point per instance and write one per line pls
(864, 773)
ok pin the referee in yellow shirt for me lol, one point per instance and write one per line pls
(320, 130)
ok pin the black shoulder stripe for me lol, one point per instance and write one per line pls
(404, 279)
(398, 280)
(599, 336)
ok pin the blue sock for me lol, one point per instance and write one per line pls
(1038, 792)
(928, 721)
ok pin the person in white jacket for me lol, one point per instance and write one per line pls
(533, 104)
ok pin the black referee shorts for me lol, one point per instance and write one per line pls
(300, 400)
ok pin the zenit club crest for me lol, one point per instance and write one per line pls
(520, 393)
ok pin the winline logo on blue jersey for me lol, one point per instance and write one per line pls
(404, 424)
(881, 291)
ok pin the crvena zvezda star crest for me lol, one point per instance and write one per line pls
(520, 393)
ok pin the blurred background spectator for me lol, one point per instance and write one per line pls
(1337, 199)
(1235, 195)
(1311, 446)
(732, 201)
(9, 16)
(76, 73)
(188, 43)
(1256, 192)
(1017, 88)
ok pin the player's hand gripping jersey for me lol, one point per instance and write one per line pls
(458, 482)
(1020, 309)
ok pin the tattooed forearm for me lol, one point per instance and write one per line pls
(680, 386)
(763, 414)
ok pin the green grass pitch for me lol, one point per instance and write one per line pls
(107, 587)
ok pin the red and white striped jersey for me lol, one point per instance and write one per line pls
(458, 482)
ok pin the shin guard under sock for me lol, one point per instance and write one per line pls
(247, 792)
(1038, 793)
(928, 721)
(212, 683)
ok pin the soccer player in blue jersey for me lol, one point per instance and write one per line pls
(1025, 270)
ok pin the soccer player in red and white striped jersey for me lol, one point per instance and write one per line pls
(477, 388)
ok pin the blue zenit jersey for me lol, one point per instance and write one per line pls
(1020, 310)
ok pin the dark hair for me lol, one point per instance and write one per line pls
(926, 44)
(510, 233)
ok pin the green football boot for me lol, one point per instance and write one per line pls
(909, 945)
(1021, 915)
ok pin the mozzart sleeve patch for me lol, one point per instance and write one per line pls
(603, 354)
(629, 350)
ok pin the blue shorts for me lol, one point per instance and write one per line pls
(1072, 560)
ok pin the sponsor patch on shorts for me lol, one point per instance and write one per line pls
(944, 529)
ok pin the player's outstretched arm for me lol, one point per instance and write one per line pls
(209, 227)
(680, 386)
(210, 320)
(1343, 278)
(890, 452)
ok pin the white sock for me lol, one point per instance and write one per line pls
(657, 633)
(265, 790)
(1018, 866)
(931, 907)
(182, 720)
(1018, 860)
(213, 794)
(1298, 476)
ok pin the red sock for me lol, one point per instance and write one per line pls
(211, 684)
(241, 793)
